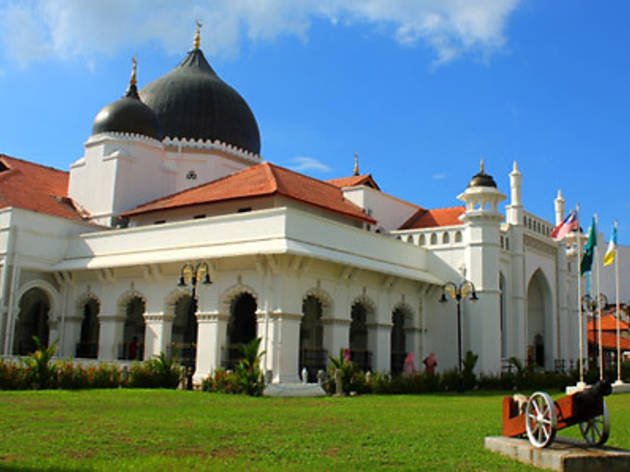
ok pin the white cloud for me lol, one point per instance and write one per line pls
(305, 164)
(439, 176)
(35, 29)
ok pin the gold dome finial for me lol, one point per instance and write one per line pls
(197, 38)
(482, 170)
(356, 164)
(133, 80)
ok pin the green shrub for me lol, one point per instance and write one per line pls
(159, 372)
(246, 378)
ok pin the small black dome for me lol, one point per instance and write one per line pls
(192, 102)
(481, 179)
(128, 115)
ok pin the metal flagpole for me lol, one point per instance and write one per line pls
(581, 385)
(599, 306)
(617, 254)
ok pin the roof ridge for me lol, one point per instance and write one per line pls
(270, 172)
(43, 166)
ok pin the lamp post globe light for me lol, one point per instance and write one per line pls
(592, 304)
(191, 274)
(458, 293)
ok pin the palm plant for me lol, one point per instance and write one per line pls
(41, 369)
(248, 367)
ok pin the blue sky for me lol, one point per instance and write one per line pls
(422, 90)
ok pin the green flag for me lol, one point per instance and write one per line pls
(589, 249)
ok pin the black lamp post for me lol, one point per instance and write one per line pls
(192, 274)
(457, 293)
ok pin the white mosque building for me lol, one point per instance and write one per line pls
(172, 184)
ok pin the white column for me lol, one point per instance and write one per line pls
(157, 334)
(110, 335)
(285, 346)
(211, 330)
(71, 336)
(379, 343)
(336, 335)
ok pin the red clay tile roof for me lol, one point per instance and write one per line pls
(260, 180)
(355, 180)
(433, 218)
(609, 340)
(36, 188)
(609, 323)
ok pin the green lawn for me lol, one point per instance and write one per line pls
(173, 430)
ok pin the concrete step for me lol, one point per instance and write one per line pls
(563, 454)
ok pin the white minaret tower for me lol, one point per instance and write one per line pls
(559, 205)
(515, 208)
(482, 221)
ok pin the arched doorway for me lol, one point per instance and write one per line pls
(359, 337)
(32, 320)
(241, 326)
(313, 356)
(539, 322)
(133, 333)
(398, 344)
(184, 333)
(87, 347)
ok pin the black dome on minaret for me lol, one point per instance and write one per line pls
(481, 179)
(128, 115)
(192, 102)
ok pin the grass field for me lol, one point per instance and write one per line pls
(175, 430)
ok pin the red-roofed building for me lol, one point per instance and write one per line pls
(172, 235)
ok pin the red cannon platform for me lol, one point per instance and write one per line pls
(540, 417)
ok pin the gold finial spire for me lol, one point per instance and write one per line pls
(197, 38)
(356, 164)
(133, 80)
(482, 170)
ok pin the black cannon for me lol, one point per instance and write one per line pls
(540, 417)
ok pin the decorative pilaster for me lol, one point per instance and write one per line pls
(71, 335)
(211, 333)
(336, 335)
(157, 335)
(379, 342)
(110, 335)
(284, 346)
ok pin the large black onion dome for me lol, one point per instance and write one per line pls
(128, 115)
(481, 179)
(192, 102)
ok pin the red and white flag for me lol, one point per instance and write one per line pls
(570, 223)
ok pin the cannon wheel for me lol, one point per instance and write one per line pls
(596, 430)
(540, 419)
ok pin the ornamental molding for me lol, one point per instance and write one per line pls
(336, 321)
(209, 145)
(153, 317)
(211, 317)
(539, 246)
(121, 136)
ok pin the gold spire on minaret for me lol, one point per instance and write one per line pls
(133, 80)
(356, 164)
(197, 38)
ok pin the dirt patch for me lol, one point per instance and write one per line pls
(332, 452)
(224, 452)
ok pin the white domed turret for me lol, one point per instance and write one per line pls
(482, 197)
